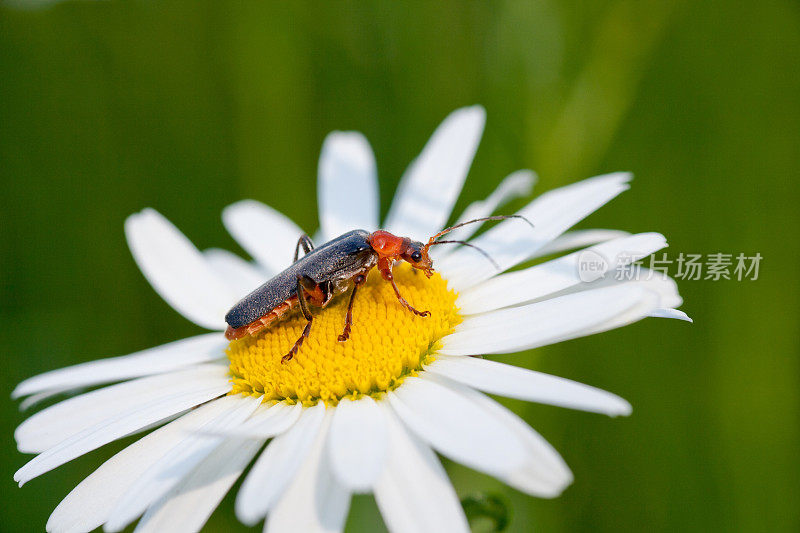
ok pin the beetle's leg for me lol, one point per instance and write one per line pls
(305, 242)
(302, 296)
(323, 293)
(327, 293)
(316, 293)
(301, 299)
(386, 273)
(298, 343)
(405, 303)
(358, 281)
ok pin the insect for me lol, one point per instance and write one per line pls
(329, 270)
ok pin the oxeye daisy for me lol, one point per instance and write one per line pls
(365, 414)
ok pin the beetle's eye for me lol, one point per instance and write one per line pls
(416, 257)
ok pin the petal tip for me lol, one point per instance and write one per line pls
(558, 487)
(672, 313)
(245, 515)
(625, 175)
(348, 148)
(522, 181)
(623, 409)
(476, 113)
(231, 210)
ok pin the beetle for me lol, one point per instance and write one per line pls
(324, 272)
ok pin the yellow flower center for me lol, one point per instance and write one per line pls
(387, 342)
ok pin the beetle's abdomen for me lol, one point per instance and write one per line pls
(260, 323)
(262, 300)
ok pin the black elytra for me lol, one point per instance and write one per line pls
(328, 266)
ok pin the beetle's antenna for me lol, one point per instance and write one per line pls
(483, 252)
(432, 241)
(483, 219)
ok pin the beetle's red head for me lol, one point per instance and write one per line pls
(416, 255)
(390, 247)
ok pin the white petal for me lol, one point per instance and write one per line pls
(538, 324)
(515, 288)
(275, 468)
(579, 239)
(267, 421)
(315, 502)
(635, 275)
(456, 426)
(414, 493)
(127, 421)
(543, 473)
(431, 184)
(89, 504)
(65, 419)
(168, 471)
(671, 313)
(267, 235)
(528, 385)
(659, 291)
(177, 270)
(514, 241)
(187, 507)
(39, 397)
(357, 443)
(516, 184)
(156, 360)
(241, 276)
(348, 185)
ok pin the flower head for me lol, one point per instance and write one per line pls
(360, 416)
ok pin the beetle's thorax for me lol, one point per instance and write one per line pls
(338, 259)
(390, 247)
(387, 244)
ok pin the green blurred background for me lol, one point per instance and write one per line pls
(109, 107)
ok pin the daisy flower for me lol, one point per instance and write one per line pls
(363, 416)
